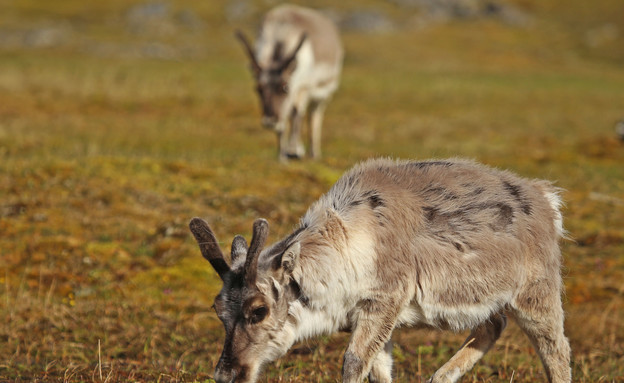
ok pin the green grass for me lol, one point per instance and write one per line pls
(104, 160)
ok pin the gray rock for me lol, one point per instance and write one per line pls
(189, 20)
(48, 35)
(435, 11)
(367, 21)
(157, 19)
(506, 13)
(237, 10)
(148, 12)
(150, 19)
(601, 35)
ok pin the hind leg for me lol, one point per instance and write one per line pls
(540, 315)
(480, 340)
(381, 370)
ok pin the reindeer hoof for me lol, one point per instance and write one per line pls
(293, 156)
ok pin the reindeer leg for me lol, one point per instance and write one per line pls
(476, 345)
(281, 146)
(539, 314)
(295, 147)
(373, 327)
(315, 123)
(381, 370)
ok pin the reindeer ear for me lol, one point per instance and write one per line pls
(290, 258)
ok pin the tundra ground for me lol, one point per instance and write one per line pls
(104, 158)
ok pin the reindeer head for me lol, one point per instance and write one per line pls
(253, 303)
(272, 81)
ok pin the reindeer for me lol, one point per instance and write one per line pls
(296, 66)
(619, 129)
(448, 244)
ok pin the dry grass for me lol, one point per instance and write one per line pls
(103, 161)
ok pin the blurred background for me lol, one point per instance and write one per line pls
(121, 120)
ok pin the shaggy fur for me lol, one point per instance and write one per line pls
(447, 244)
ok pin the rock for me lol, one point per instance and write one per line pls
(150, 19)
(367, 21)
(506, 13)
(148, 12)
(157, 19)
(601, 35)
(45, 37)
(237, 10)
(51, 34)
(189, 20)
(435, 11)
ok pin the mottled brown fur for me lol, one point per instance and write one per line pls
(449, 244)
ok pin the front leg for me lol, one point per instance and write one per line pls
(281, 146)
(295, 147)
(315, 124)
(381, 369)
(374, 321)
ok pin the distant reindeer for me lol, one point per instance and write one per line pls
(619, 129)
(296, 66)
(438, 244)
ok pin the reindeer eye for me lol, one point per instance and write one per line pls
(280, 87)
(258, 314)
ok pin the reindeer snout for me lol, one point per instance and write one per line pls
(269, 122)
(224, 373)
(223, 377)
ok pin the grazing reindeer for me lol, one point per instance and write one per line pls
(619, 129)
(444, 244)
(296, 66)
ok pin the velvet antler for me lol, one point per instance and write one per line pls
(209, 246)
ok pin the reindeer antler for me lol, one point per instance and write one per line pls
(208, 246)
(293, 55)
(239, 248)
(252, 57)
(260, 234)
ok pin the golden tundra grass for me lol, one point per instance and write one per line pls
(103, 161)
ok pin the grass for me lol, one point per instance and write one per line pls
(103, 161)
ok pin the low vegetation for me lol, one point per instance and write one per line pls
(105, 157)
